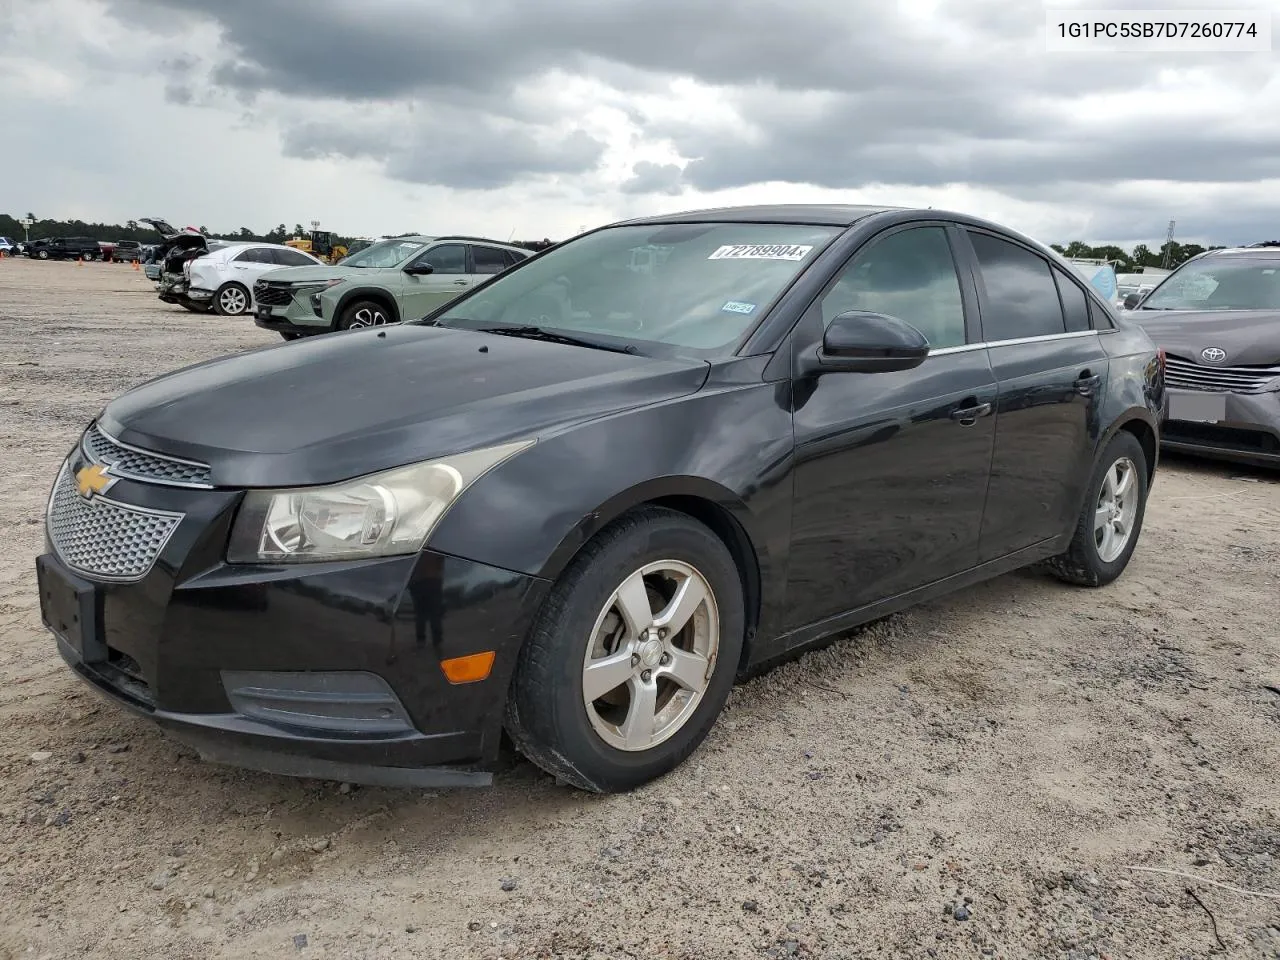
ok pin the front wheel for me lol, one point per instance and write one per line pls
(632, 656)
(1107, 531)
(231, 300)
(90, 257)
(43, 255)
(364, 313)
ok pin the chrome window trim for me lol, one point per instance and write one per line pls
(987, 344)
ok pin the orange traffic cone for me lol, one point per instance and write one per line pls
(135, 265)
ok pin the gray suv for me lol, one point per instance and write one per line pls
(402, 278)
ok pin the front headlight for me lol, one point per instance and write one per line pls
(380, 515)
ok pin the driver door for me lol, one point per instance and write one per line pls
(422, 293)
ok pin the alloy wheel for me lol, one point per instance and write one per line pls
(652, 653)
(1116, 510)
(368, 317)
(233, 301)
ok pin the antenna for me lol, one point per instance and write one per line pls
(1168, 246)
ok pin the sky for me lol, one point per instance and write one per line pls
(538, 118)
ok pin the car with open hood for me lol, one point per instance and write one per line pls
(578, 501)
(1217, 317)
(401, 278)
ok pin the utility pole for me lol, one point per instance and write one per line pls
(1168, 246)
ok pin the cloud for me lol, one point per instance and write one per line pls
(655, 178)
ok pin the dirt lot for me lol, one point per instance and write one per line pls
(976, 778)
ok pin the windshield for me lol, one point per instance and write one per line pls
(1220, 283)
(388, 253)
(696, 287)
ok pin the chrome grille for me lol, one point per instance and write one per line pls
(272, 294)
(129, 463)
(103, 538)
(1186, 375)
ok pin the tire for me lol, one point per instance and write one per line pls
(364, 313)
(586, 745)
(42, 255)
(89, 257)
(237, 297)
(1095, 558)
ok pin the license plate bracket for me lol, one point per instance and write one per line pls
(71, 608)
(1197, 407)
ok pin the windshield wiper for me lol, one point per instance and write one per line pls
(550, 336)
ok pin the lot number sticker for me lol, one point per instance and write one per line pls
(738, 306)
(761, 251)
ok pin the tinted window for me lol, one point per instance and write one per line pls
(1022, 300)
(446, 258)
(1075, 305)
(489, 260)
(513, 258)
(909, 275)
(292, 258)
(256, 255)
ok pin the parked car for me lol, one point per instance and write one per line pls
(580, 499)
(127, 251)
(64, 248)
(1217, 317)
(223, 278)
(8, 247)
(396, 279)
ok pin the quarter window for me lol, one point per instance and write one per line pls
(446, 258)
(1075, 305)
(909, 275)
(1022, 300)
(292, 258)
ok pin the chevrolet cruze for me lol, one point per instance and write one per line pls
(578, 501)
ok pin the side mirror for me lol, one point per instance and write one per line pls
(1132, 300)
(858, 342)
(419, 269)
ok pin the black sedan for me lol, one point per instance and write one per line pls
(1218, 319)
(580, 500)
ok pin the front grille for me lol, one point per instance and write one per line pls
(103, 538)
(1186, 375)
(132, 464)
(272, 294)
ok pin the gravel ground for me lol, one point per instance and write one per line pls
(976, 778)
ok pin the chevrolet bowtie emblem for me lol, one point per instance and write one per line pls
(92, 480)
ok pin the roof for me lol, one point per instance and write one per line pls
(818, 214)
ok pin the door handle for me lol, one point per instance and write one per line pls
(968, 416)
(459, 283)
(1086, 383)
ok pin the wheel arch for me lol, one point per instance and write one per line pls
(707, 502)
(376, 294)
(1139, 422)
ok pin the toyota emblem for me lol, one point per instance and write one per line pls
(1213, 354)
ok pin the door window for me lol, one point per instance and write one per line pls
(446, 258)
(909, 275)
(256, 255)
(1022, 300)
(489, 259)
(292, 258)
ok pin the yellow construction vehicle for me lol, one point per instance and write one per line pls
(319, 244)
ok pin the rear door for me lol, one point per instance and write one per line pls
(486, 261)
(449, 276)
(891, 468)
(250, 264)
(1051, 370)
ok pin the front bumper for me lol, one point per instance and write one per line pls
(328, 670)
(1249, 432)
(297, 316)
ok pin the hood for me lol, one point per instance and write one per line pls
(1250, 338)
(318, 274)
(325, 409)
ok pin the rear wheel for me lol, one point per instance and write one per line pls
(89, 257)
(364, 313)
(632, 656)
(42, 255)
(1107, 531)
(231, 300)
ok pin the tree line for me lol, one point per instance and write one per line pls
(1126, 261)
(132, 230)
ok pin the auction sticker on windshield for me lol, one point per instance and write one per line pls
(760, 251)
